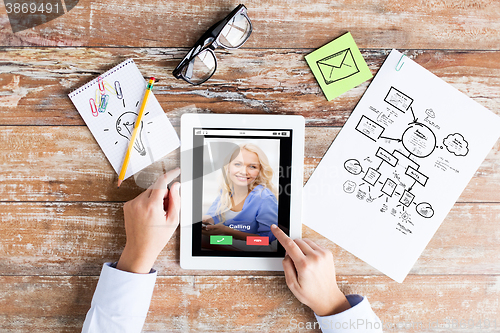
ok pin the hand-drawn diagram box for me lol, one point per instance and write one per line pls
(369, 128)
(418, 176)
(407, 198)
(371, 176)
(386, 156)
(389, 187)
(398, 99)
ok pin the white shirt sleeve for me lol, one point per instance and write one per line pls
(121, 301)
(359, 318)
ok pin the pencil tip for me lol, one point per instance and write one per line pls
(119, 183)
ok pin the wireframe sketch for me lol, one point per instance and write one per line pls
(389, 177)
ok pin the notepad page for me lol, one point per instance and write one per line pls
(110, 104)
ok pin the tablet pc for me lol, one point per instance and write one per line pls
(239, 175)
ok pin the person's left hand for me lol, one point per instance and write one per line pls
(148, 225)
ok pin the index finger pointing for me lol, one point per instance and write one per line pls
(290, 246)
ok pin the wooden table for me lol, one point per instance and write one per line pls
(61, 213)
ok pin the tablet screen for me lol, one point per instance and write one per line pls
(241, 186)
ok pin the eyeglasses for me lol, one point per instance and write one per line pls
(200, 63)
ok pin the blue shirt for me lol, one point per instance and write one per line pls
(260, 211)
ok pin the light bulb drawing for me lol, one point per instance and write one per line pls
(125, 126)
(126, 121)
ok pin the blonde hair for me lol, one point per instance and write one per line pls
(264, 178)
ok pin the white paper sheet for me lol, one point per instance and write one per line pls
(398, 165)
(109, 105)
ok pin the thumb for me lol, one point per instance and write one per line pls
(174, 204)
(159, 189)
(291, 275)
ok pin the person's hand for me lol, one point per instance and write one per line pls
(310, 275)
(150, 221)
(207, 219)
(216, 229)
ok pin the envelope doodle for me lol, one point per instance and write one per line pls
(337, 66)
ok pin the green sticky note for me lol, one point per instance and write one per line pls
(338, 66)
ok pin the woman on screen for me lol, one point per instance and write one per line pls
(247, 204)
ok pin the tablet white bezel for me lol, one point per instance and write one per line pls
(191, 121)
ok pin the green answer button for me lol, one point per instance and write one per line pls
(221, 240)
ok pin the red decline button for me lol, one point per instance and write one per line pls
(253, 240)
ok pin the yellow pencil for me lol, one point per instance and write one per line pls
(136, 130)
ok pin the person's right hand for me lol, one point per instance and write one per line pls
(310, 275)
(150, 221)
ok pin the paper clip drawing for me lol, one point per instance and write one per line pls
(337, 66)
(100, 84)
(93, 107)
(118, 90)
(97, 98)
(104, 103)
(109, 88)
(400, 63)
(119, 93)
(101, 98)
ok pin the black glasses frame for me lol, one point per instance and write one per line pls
(209, 42)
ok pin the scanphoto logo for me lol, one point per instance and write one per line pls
(363, 325)
(26, 14)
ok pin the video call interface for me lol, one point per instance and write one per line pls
(241, 186)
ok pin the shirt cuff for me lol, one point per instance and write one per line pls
(359, 318)
(134, 291)
(121, 301)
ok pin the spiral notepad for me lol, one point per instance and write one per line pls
(109, 105)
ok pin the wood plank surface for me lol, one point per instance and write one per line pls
(64, 163)
(414, 24)
(61, 215)
(34, 83)
(62, 238)
(254, 303)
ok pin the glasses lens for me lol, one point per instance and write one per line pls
(201, 68)
(235, 32)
